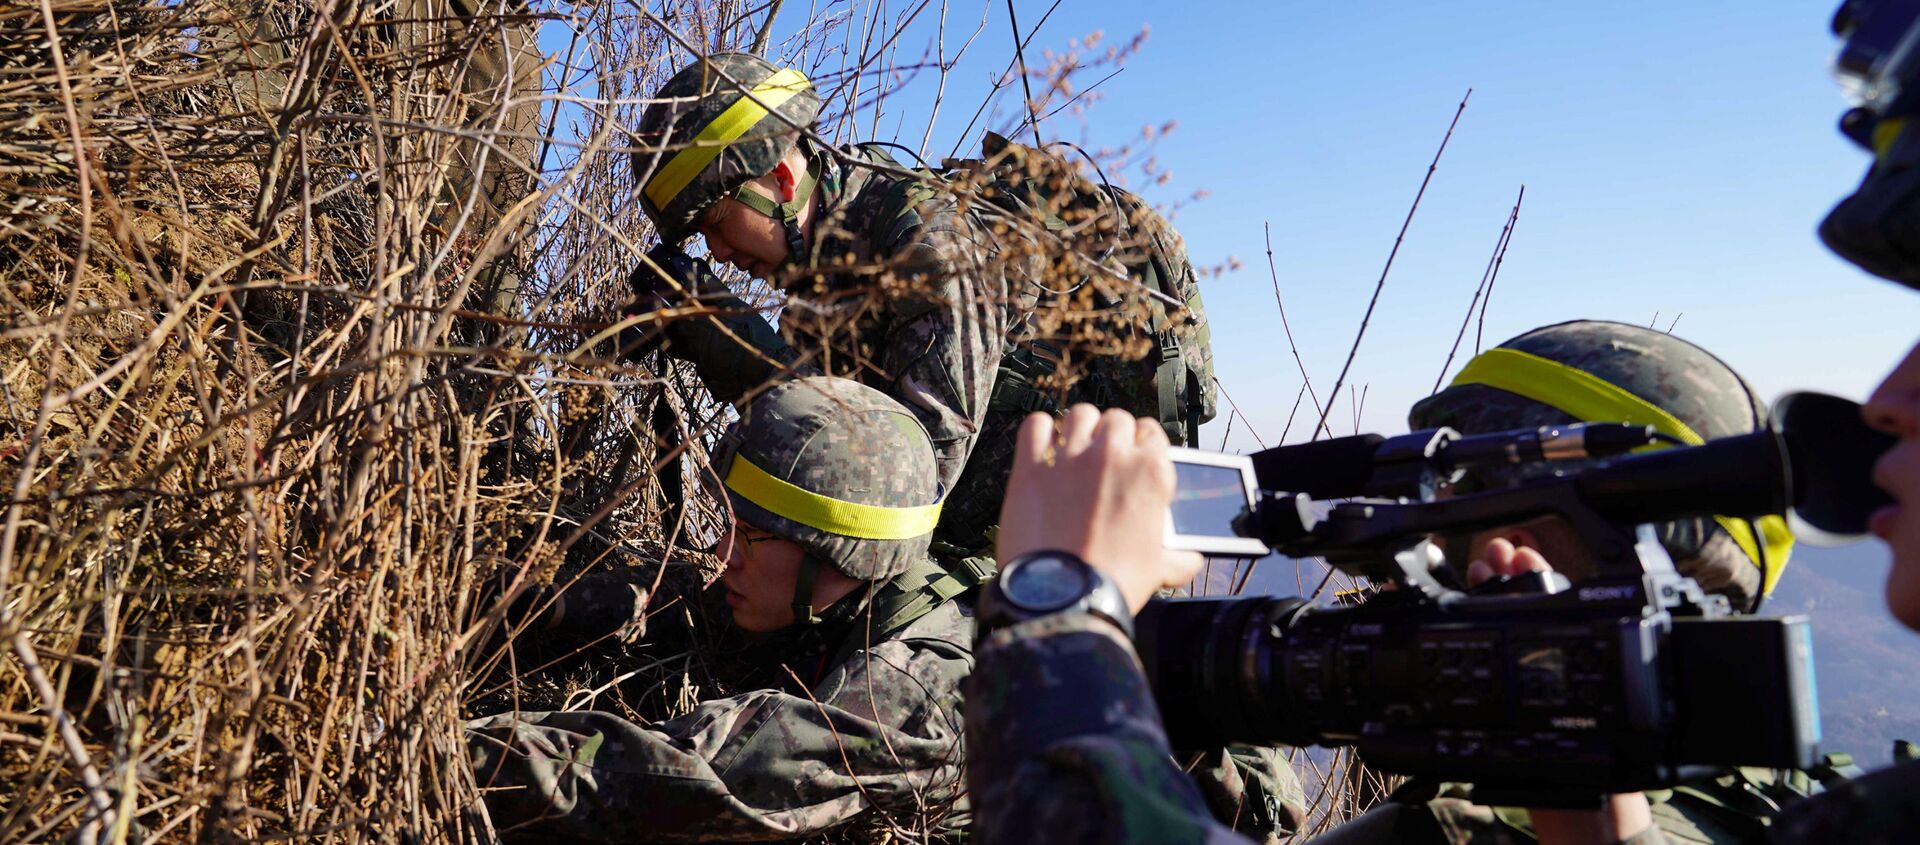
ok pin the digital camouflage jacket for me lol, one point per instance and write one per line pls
(876, 741)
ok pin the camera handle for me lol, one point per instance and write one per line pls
(1386, 541)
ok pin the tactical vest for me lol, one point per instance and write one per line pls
(915, 593)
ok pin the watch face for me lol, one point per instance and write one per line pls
(1043, 584)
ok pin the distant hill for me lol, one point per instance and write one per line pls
(1867, 664)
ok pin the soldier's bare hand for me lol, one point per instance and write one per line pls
(1502, 558)
(1097, 485)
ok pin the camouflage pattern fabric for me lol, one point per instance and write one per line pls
(844, 440)
(1677, 376)
(691, 100)
(878, 739)
(917, 300)
(1065, 739)
(906, 292)
(1252, 789)
(1155, 255)
(1882, 808)
(1734, 808)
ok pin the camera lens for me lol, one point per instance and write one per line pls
(1215, 668)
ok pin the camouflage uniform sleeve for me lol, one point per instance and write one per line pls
(1065, 738)
(945, 335)
(766, 765)
(1252, 789)
(734, 350)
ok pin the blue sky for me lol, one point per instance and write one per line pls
(1677, 157)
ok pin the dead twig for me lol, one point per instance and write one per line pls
(1381, 284)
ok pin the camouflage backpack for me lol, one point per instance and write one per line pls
(1110, 227)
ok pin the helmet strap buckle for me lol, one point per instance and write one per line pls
(803, 613)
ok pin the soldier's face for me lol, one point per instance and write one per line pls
(1895, 408)
(744, 238)
(760, 575)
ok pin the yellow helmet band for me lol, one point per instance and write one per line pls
(1590, 398)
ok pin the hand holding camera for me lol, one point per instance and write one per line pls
(1096, 485)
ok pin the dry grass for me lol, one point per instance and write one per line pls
(306, 355)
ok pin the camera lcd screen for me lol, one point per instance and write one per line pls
(1206, 499)
(1211, 490)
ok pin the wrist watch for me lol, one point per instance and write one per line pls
(1046, 582)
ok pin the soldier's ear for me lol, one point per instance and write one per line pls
(785, 181)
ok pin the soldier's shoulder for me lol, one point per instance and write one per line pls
(1882, 807)
(928, 658)
(950, 622)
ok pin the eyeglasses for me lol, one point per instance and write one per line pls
(739, 534)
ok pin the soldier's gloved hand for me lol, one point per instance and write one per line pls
(666, 277)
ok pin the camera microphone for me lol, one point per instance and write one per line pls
(1549, 443)
(1372, 465)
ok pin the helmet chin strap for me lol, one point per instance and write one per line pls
(788, 213)
(803, 592)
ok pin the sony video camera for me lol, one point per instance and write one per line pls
(1529, 688)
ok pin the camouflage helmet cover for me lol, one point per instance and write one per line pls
(1685, 380)
(709, 131)
(839, 468)
(1698, 389)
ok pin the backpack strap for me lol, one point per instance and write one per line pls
(1177, 388)
(912, 594)
(1013, 388)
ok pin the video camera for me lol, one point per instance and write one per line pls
(1532, 688)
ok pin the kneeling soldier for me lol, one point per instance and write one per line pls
(835, 494)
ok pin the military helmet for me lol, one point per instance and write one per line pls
(1598, 371)
(839, 468)
(717, 124)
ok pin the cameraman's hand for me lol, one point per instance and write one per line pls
(1097, 485)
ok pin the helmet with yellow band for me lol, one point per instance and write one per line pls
(718, 123)
(1596, 371)
(839, 468)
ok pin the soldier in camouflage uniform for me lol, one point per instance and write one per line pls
(835, 494)
(895, 277)
(896, 282)
(1598, 371)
